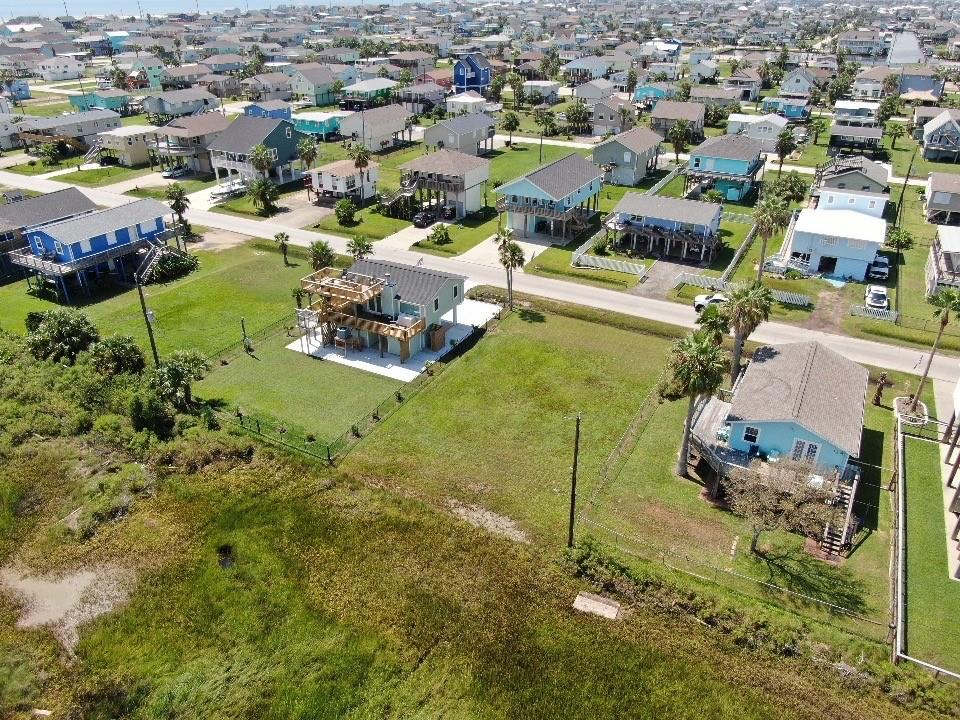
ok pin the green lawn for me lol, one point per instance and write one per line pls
(932, 597)
(105, 175)
(512, 162)
(159, 192)
(44, 108)
(202, 310)
(465, 233)
(244, 207)
(366, 222)
(37, 168)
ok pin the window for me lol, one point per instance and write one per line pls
(851, 201)
(750, 434)
(627, 157)
(856, 244)
(873, 204)
(827, 240)
(289, 132)
(829, 199)
(436, 303)
(456, 290)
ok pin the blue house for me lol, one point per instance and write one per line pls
(788, 107)
(728, 163)
(273, 109)
(556, 198)
(666, 226)
(651, 92)
(80, 249)
(472, 72)
(18, 88)
(314, 122)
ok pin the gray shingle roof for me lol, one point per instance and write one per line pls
(668, 208)
(639, 139)
(446, 162)
(245, 132)
(468, 123)
(51, 123)
(808, 384)
(101, 222)
(42, 209)
(729, 147)
(873, 171)
(562, 177)
(415, 285)
(671, 110)
(856, 131)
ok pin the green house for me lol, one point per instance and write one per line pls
(106, 99)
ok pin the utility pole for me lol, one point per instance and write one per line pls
(896, 224)
(147, 318)
(573, 481)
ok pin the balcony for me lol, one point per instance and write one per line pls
(342, 288)
(544, 211)
(26, 258)
(375, 323)
(167, 148)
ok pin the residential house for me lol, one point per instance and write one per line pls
(941, 136)
(390, 307)
(129, 144)
(422, 97)
(584, 69)
(441, 76)
(417, 62)
(556, 199)
(747, 83)
(867, 202)
(706, 70)
(230, 150)
(799, 82)
(855, 172)
(9, 133)
(943, 260)
(367, 94)
(465, 103)
(665, 70)
(378, 128)
(106, 99)
(315, 122)
(942, 198)
(613, 115)
(922, 114)
(275, 109)
(224, 63)
(221, 86)
(869, 83)
(186, 141)
(314, 83)
(18, 89)
(666, 226)
(182, 76)
(142, 70)
(861, 43)
(856, 137)
(856, 112)
(919, 83)
(60, 67)
(628, 157)
(666, 114)
(342, 178)
(794, 109)
(470, 72)
(763, 128)
(470, 134)
(548, 90)
(715, 96)
(837, 243)
(77, 129)
(453, 179)
(176, 103)
(267, 86)
(728, 163)
(78, 250)
(593, 91)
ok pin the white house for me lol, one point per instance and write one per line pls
(458, 180)
(593, 91)
(376, 128)
(548, 89)
(60, 67)
(762, 128)
(798, 83)
(704, 70)
(466, 102)
(862, 201)
(837, 243)
(342, 179)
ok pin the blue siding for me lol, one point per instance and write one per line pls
(779, 437)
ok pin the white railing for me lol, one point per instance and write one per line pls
(604, 263)
(738, 255)
(243, 167)
(662, 182)
(709, 282)
(875, 313)
(742, 218)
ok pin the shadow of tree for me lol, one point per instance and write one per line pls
(531, 316)
(800, 572)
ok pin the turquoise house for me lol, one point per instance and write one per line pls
(728, 163)
(651, 92)
(790, 108)
(319, 123)
(106, 99)
(555, 199)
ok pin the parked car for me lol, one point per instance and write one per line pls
(108, 160)
(701, 301)
(879, 268)
(424, 219)
(876, 297)
(175, 172)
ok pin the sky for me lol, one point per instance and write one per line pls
(79, 8)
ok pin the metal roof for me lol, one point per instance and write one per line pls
(415, 285)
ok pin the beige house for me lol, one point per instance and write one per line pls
(342, 179)
(128, 143)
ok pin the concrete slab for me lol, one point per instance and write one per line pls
(597, 605)
(470, 313)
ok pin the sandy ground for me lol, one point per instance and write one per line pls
(298, 211)
(66, 602)
(482, 518)
(215, 239)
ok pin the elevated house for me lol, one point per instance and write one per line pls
(715, 96)
(838, 243)
(869, 83)
(394, 308)
(470, 134)
(447, 179)
(629, 157)
(465, 103)
(230, 150)
(668, 113)
(867, 202)
(75, 252)
(794, 109)
(378, 128)
(613, 115)
(102, 99)
(181, 77)
(274, 109)
(224, 63)
(9, 134)
(940, 136)
(855, 172)
(422, 97)
(220, 86)
(267, 86)
(417, 62)
(314, 83)
(728, 163)
(60, 67)
(943, 260)
(942, 198)
(77, 130)
(177, 103)
(594, 91)
(367, 94)
(315, 122)
(705, 70)
(856, 113)
(763, 128)
(129, 144)
(666, 226)
(863, 44)
(186, 141)
(471, 72)
(548, 90)
(558, 198)
(747, 83)
(342, 178)
(856, 137)
(798, 83)
(587, 68)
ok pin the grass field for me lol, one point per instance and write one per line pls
(366, 222)
(243, 206)
(105, 175)
(932, 598)
(465, 233)
(37, 168)
(159, 192)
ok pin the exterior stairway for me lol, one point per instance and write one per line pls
(834, 540)
(93, 152)
(151, 258)
(407, 188)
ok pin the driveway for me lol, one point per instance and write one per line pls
(661, 277)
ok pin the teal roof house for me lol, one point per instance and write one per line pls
(728, 163)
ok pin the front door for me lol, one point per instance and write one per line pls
(827, 266)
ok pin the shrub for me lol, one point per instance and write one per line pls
(601, 246)
(440, 235)
(117, 355)
(149, 411)
(345, 211)
(714, 196)
(171, 266)
(60, 335)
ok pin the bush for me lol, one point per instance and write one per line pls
(117, 355)
(793, 275)
(60, 335)
(714, 196)
(440, 235)
(601, 246)
(171, 266)
(148, 411)
(345, 211)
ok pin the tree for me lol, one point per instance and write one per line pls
(264, 195)
(346, 211)
(359, 247)
(784, 146)
(946, 301)
(282, 240)
(678, 136)
(337, 87)
(511, 123)
(626, 116)
(547, 122)
(780, 498)
(818, 127)
(405, 78)
(749, 306)
(578, 115)
(49, 154)
(771, 216)
(535, 97)
(321, 255)
(697, 365)
(178, 201)
(118, 78)
(516, 85)
(714, 323)
(895, 130)
(683, 92)
(632, 79)
(361, 161)
(173, 378)
(261, 159)
(60, 335)
(889, 107)
(891, 83)
(117, 355)
(511, 258)
(308, 151)
(255, 64)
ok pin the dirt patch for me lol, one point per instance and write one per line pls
(214, 239)
(65, 602)
(490, 521)
(298, 211)
(831, 308)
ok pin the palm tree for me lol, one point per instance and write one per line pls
(784, 146)
(261, 159)
(818, 127)
(263, 194)
(895, 130)
(510, 123)
(772, 215)
(511, 258)
(307, 150)
(749, 306)
(361, 161)
(546, 121)
(678, 135)
(179, 202)
(946, 301)
(282, 240)
(321, 254)
(626, 116)
(697, 367)
(359, 247)
(714, 323)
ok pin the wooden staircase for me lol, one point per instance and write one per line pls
(835, 540)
